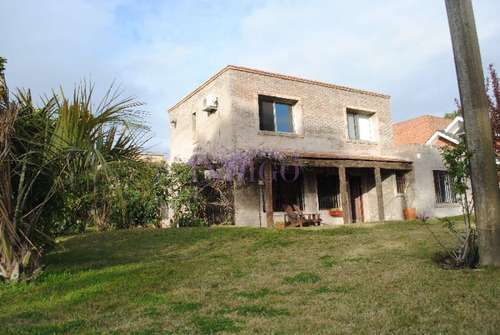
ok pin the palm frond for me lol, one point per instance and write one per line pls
(43, 149)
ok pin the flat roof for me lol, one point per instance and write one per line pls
(275, 75)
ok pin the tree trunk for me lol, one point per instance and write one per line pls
(478, 130)
(7, 231)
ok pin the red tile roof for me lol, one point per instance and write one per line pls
(418, 130)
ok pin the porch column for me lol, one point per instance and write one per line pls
(344, 195)
(268, 194)
(380, 194)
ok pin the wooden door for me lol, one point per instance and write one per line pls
(356, 195)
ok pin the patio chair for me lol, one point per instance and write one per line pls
(292, 217)
(295, 219)
(314, 218)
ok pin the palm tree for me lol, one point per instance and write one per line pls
(42, 150)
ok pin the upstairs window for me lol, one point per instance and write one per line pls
(276, 115)
(359, 126)
(442, 186)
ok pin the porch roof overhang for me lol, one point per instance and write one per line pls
(313, 159)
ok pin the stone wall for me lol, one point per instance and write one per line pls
(197, 128)
(393, 202)
(421, 190)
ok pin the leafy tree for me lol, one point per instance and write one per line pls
(138, 191)
(457, 160)
(493, 90)
(142, 191)
(129, 194)
(455, 113)
(186, 197)
(493, 95)
(202, 190)
(43, 151)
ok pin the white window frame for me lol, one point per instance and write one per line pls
(446, 192)
(363, 131)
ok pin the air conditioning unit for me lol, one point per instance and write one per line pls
(210, 103)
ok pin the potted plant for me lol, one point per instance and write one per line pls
(279, 224)
(409, 211)
(336, 211)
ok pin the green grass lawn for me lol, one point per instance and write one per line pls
(376, 278)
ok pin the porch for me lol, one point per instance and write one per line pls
(364, 188)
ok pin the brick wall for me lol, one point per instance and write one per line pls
(426, 160)
(320, 114)
(442, 142)
(198, 128)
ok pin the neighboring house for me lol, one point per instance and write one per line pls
(451, 135)
(419, 139)
(152, 157)
(344, 134)
(418, 130)
(430, 130)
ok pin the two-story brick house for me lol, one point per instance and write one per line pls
(344, 136)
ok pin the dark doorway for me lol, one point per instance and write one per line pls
(356, 199)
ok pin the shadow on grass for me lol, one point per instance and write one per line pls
(121, 247)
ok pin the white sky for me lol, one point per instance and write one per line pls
(160, 50)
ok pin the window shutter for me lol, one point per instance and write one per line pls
(364, 127)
